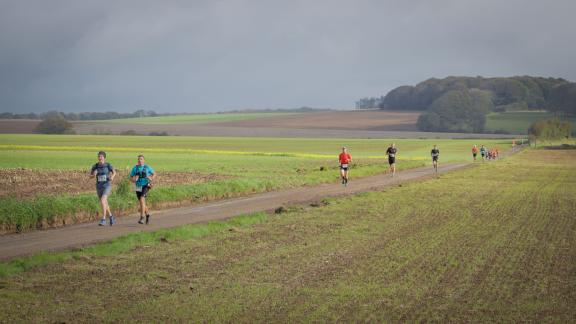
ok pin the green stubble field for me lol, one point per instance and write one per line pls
(494, 242)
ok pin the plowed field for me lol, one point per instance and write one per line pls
(24, 183)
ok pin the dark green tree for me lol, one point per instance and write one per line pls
(54, 123)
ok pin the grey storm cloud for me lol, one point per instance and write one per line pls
(199, 56)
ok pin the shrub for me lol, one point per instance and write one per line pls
(157, 134)
(550, 129)
(55, 124)
(129, 132)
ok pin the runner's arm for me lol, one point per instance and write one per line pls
(133, 176)
(113, 174)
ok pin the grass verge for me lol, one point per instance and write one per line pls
(128, 242)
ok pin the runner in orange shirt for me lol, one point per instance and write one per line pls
(474, 152)
(345, 158)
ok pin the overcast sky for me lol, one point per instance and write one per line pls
(216, 55)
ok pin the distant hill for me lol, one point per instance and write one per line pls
(460, 104)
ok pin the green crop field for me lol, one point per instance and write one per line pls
(492, 243)
(193, 119)
(246, 165)
(517, 122)
(418, 149)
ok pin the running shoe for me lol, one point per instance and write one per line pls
(147, 219)
(141, 221)
(102, 222)
(112, 220)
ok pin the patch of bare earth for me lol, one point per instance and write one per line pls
(23, 183)
(18, 126)
(345, 120)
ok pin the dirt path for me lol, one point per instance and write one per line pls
(75, 236)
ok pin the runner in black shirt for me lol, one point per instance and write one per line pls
(435, 153)
(391, 152)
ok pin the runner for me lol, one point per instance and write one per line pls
(142, 175)
(483, 152)
(104, 173)
(435, 153)
(391, 152)
(344, 159)
(474, 152)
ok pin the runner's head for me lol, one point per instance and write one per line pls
(393, 145)
(101, 156)
(344, 149)
(140, 159)
(435, 146)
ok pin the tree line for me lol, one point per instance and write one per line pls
(460, 104)
(72, 116)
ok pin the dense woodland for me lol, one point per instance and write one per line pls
(460, 104)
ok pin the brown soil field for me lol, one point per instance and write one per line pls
(332, 124)
(26, 183)
(18, 126)
(351, 120)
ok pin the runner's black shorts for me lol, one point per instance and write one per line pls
(143, 193)
(391, 160)
(344, 168)
(474, 154)
(435, 158)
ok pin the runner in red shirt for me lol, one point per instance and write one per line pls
(474, 152)
(344, 159)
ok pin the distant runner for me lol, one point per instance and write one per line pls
(483, 152)
(435, 153)
(104, 173)
(345, 160)
(391, 152)
(142, 175)
(474, 152)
